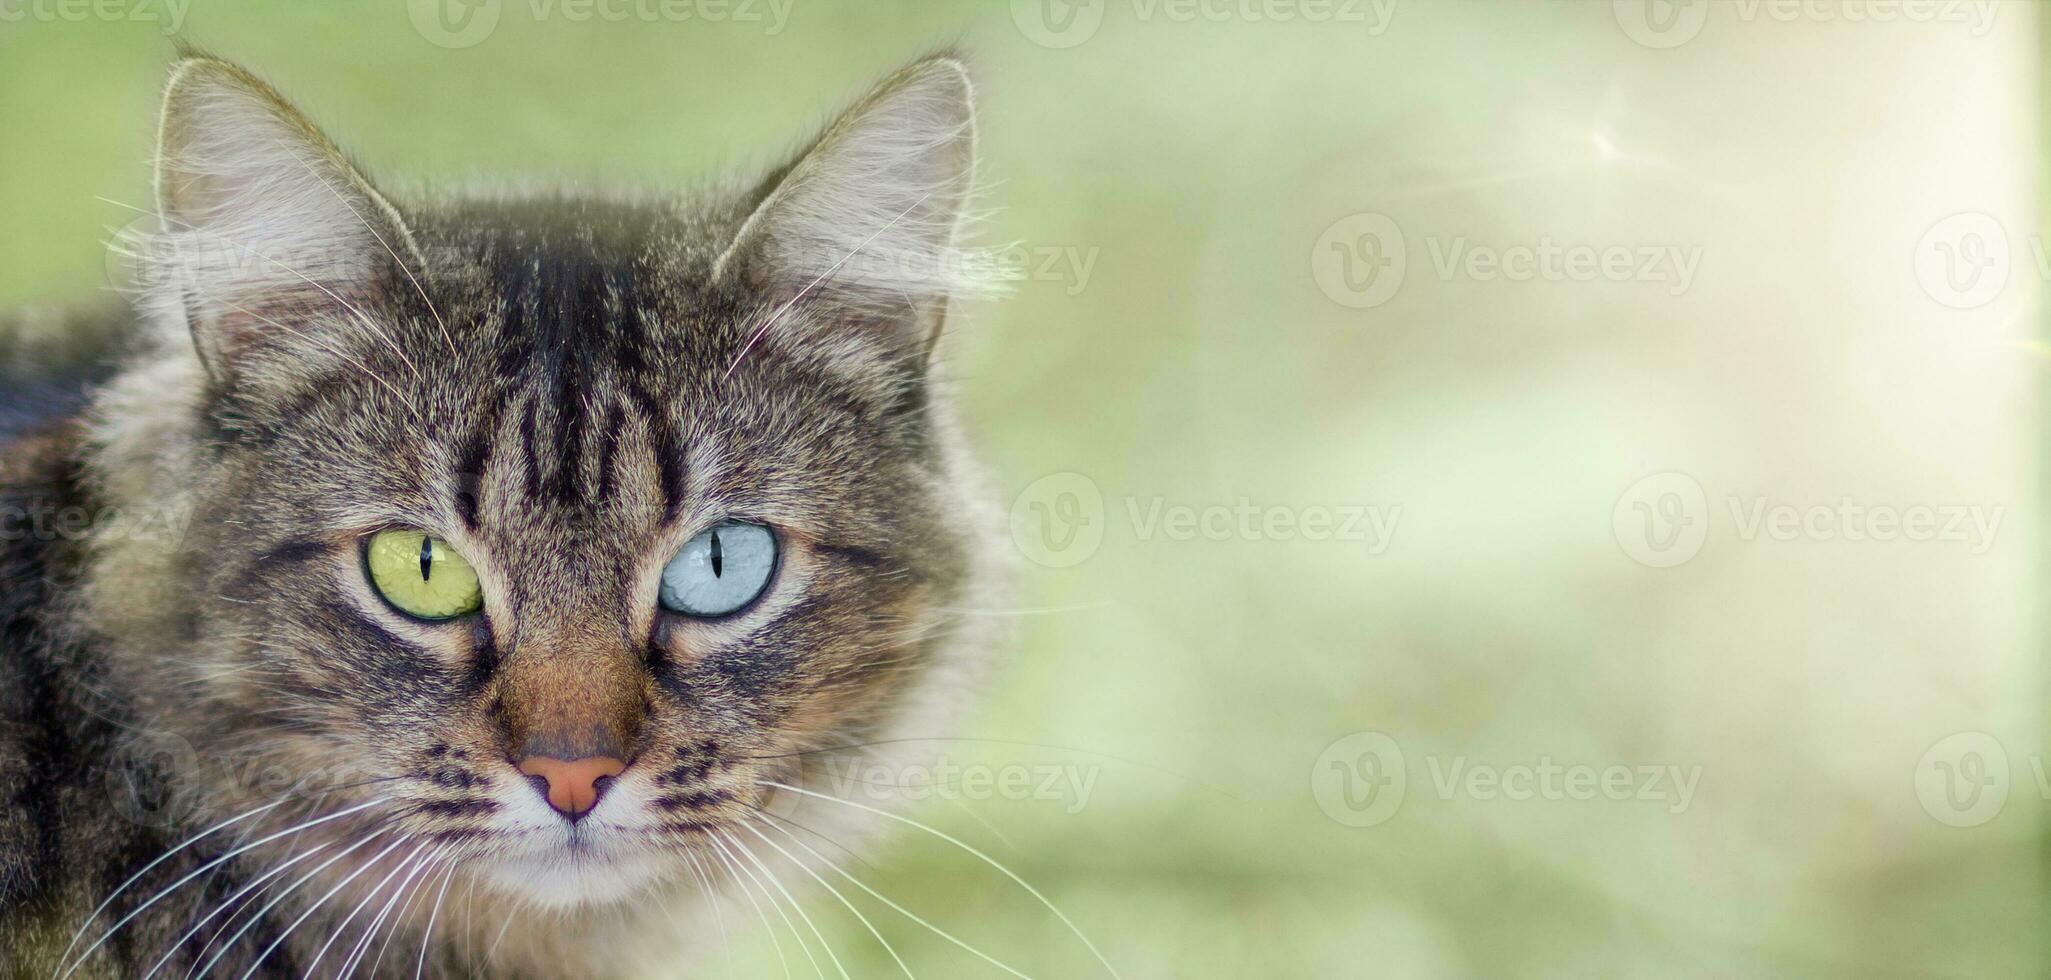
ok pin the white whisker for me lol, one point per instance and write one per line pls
(795, 906)
(712, 900)
(370, 896)
(226, 903)
(398, 922)
(427, 936)
(859, 917)
(1027, 610)
(202, 869)
(985, 858)
(822, 277)
(987, 826)
(901, 910)
(208, 967)
(315, 907)
(367, 226)
(803, 946)
(767, 927)
(365, 368)
(368, 323)
(132, 879)
(493, 949)
(227, 921)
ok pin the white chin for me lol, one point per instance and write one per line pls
(577, 877)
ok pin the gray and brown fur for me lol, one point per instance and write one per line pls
(555, 382)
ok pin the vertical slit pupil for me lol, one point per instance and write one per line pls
(718, 558)
(426, 557)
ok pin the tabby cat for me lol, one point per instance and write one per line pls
(509, 552)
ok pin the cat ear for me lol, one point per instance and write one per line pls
(268, 239)
(862, 232)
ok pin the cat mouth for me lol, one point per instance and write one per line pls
(616, 850)
(579, 868)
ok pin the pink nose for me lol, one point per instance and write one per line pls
(573, 784)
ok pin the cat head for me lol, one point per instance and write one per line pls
(547, 529)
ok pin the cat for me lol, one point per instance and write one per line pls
(526, 548)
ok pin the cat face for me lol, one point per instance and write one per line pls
(559, 527)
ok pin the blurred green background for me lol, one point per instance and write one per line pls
(1188, 338)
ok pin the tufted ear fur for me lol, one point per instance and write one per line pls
(862, 232)
(269, 243)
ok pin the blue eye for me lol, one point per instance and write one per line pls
(721, 570)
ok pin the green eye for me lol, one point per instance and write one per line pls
(422, 575)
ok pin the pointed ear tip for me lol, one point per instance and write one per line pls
(948, 70)
(949, 62)
(194, 79)
(191, 70)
